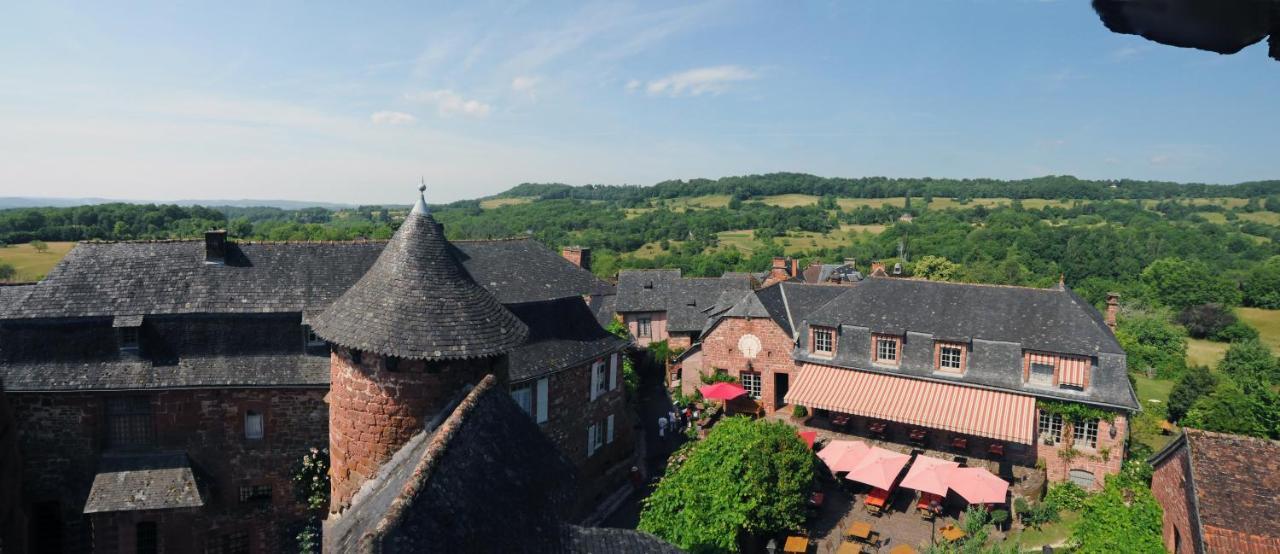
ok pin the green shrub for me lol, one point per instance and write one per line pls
(1239, 331)
(1066, 496)
(800, 411)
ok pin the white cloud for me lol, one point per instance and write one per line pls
(633, 84)
(450, 103)
(524, 83)
(392, 118)
(703, 80)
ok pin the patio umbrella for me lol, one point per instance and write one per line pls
(722, 391)
(843, 455)
(929, 475)
(879, 468)
(808, 437)
(978, 486)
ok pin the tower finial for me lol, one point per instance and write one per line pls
(422, 188)
(421, 205)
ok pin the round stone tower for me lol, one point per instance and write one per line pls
(407, 338)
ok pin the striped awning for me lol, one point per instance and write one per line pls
(972, 411)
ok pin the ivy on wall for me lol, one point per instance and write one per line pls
(1075, 412)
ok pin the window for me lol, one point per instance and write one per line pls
(599, 379)
(255, 494)
(532, 398)
(253, 428)
(146, 538)
(310, 337)
(595, 438)
(644, 327)
(951, 357)
(824, 340)
(1041, 374)
(1050, 428)
(751, 382)
(230, 543)
(523, 395)
(129, 422)
(609, 431)
(1085, 434)
(886, 350)
(129, 339)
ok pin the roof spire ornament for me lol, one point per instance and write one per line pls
(421, 206)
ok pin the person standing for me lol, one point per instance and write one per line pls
(662, 427)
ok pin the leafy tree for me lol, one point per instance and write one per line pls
(40, 246)
(1228, 409)
(1151, 342)
(1123, 517)
(1206, 320)
(1239, 331)
(936, 268)
(1262, 285)
(1180, 283)
(1194, 383)
(311, 485)
(7, 271)
(1250, 361)
(748, 477)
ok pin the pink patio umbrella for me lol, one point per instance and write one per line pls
(842, 455)
(878, 468)
(978, 486)
(929, 475)
(722, 391)
(808, 437)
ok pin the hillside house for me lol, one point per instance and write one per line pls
(660, 305)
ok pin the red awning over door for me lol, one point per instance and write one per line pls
(969, 410)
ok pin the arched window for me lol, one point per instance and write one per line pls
(1083, 478)
(253, 428)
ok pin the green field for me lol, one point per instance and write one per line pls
(492, 203)
(1052, 534)
(32, 265)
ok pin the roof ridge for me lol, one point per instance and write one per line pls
(504, 239)
(964, 284)
(1232, 436)
(232, 241)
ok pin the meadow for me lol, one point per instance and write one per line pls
(31, 264)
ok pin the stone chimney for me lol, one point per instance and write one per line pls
(1113, 306)
(877, 270)
(578, 256)
(215, 247)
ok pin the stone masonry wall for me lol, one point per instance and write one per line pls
(1104, 460)
(62, 437)
(373, 411)
(720, 351)
(657, 327)
(1169, 486)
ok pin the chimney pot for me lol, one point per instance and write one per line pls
(578, 256)
(215, 246)
(779, 263)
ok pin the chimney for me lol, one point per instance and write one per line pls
(1113, 306)
(877, 269)
(779, 263)
(215, 246)
(578, 256)
(794, 266)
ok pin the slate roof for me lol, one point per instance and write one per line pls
(416, 302)
(284, 370)
(11, 296)
(143, 481)
(687, 302)
(1235, 480)
(1051, 320)
(562, 333)
(604, 307)
(484, 480)
(171, 277)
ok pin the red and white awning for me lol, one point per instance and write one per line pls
(969, 410)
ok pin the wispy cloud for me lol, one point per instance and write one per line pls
(703, 80)
(1124, 54)
(449, 103)
(392, 118)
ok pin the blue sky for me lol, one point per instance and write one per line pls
(352, 103)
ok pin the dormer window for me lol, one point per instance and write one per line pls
(824, 341)
(885, 349)
(310, 338)
(950, 357)
(129, 340)
(1057, 371)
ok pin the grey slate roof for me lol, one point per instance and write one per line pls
(604, 307)
(171, 277)
(416, 302)
(298, 370)
(1040, 319)
(143, 481)
(687, 302)
(11, 296)
(789, 299)
(485, 480)
(562, 334)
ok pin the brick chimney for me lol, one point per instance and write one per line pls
(215, 247)
(1113, 306)
(877, 270)
(578, 256)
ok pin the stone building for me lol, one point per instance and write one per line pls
(969, 366)
(659, 304)
(164, 391)
(1219, 493)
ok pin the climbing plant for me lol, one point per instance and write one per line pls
(1075, 412)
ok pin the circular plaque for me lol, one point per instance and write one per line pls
(749, 345)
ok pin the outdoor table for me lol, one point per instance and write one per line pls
(877, 499)
(952, 533)
(902, 549)
(929, 504)
(996, 449)
(860, 530)
(840, 420)
(917, 435)
(960, 443)
(796, 545)
(1166, 427)
(878, 428)
(849, 548)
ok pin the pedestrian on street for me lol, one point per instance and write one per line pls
(662, 427)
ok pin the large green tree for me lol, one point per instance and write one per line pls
(936, 268)
(1151, 342)
(749, 477)
(1194, 383)
(1262, 285)
(1229, 409)
(1180, 283)
(1123, 517)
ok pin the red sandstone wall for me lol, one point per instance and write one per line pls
(1168, 485)
(1105, 460)
(61, 438)
(373, 412)
(658, 327)
(720, 351)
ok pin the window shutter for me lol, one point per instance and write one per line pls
(542, 400)
(609, 430)
(591, 440)
(613, 371)
(595, 381)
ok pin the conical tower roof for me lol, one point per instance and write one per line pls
(417, 302)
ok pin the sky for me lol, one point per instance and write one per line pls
(356, 102)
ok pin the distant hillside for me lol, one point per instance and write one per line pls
(39, 202)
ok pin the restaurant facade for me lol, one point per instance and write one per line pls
(978, 370)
